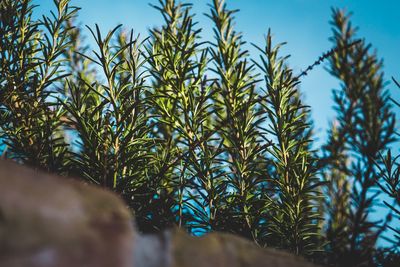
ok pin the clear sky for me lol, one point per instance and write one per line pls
(304, 24)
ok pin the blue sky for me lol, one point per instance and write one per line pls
(304, 24)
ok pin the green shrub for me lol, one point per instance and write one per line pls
(197, 134)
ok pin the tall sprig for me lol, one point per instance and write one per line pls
(366, 126)
(292, 221)
(236, 104)
(181, 95)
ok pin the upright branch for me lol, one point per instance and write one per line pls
(292, 219)
(366, 127)
(181, 106)
(236, 103)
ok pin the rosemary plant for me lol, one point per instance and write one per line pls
(182, 129)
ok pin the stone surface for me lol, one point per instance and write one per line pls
(175, 248)
(48, 221)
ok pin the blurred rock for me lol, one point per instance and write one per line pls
(175, 248)
(48, 221)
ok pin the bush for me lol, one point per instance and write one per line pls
(186, 132)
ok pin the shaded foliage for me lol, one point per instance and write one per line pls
(364, 129)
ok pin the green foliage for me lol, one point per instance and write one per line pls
(365, 129)
(293, 219)
(31, 65)
(185, 131)
(237, 121)
(110, 117)
(389, 183)
(180, 98)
